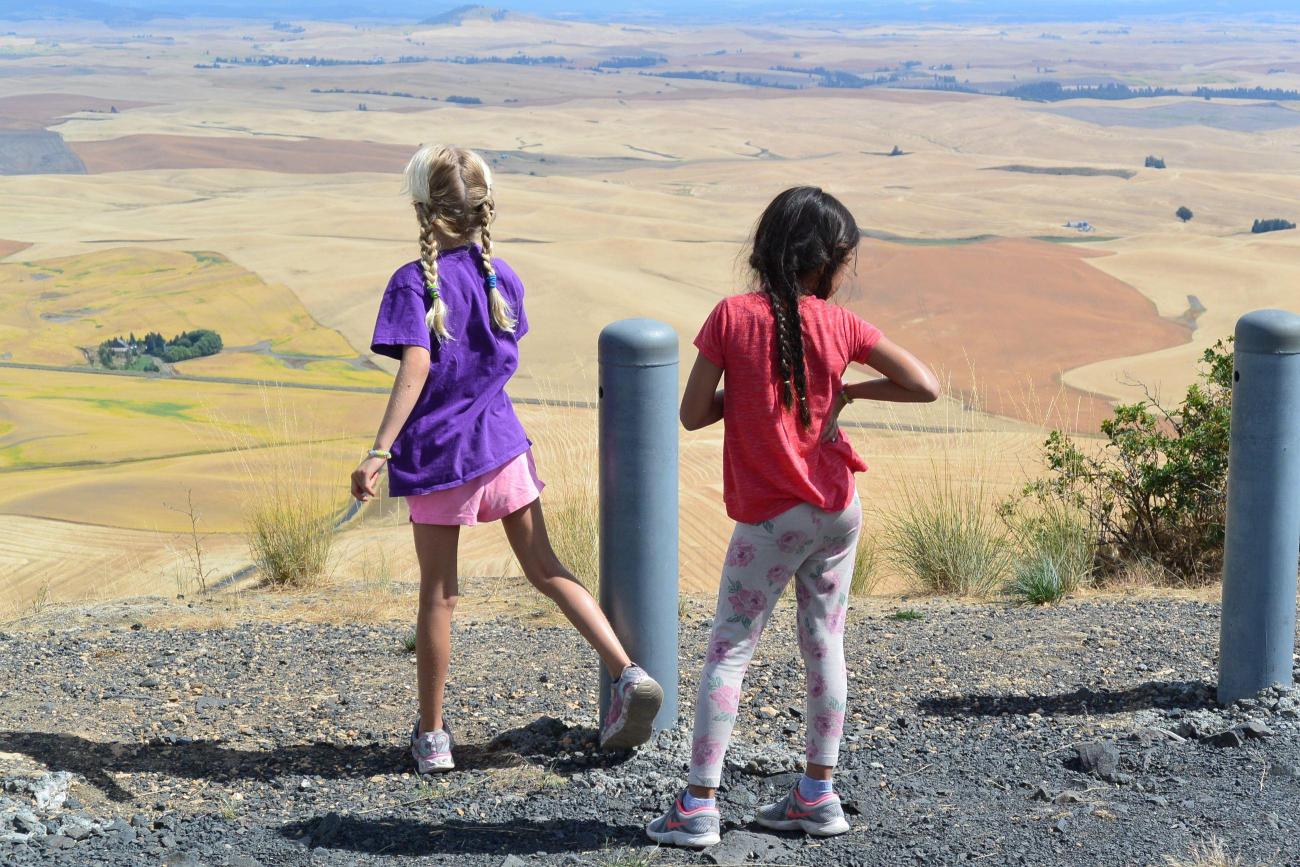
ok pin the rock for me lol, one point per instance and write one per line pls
(149, 682)
(1284, 771)
(58, 841)
(1041, 794)
(738, 847)
(1229, 739)
(77, 828)
(242, 861)
(1254, 729)
(513, 861)
(1099, 759)
(326, 829)
(767, 712)
(1069, 796)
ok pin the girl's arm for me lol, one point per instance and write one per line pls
(906, 380)
(702, 400)
(411, 375)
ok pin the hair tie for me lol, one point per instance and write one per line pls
(491, 281)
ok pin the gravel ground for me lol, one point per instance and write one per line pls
(1081, 734)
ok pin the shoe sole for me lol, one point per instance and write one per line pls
(686, 841)
(829, 829)
(643, 704)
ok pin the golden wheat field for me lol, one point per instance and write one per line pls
(183, 184)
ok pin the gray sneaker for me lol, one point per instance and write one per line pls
(431, 750)
(635, 699)
(695, 829)
(822, 818)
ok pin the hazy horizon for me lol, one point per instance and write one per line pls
(124, 11)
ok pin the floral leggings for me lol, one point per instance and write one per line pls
(816, 548)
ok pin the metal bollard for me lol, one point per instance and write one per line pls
(638, 500)
(1257, 629)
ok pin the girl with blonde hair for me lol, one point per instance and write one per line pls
(454, 447)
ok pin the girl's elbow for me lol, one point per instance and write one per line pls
(930, 390)
(689, 421)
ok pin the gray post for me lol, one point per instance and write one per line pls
(1257, 630)
(638, 500)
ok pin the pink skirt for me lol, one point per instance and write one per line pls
(489, 497)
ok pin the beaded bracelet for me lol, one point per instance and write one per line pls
(380, 453)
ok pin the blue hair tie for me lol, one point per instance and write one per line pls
(492, 281)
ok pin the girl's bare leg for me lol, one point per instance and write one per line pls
(435, 548)
(526, 530)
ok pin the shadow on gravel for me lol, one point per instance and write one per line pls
(411, 837)
(1185, 695)
(209, 760)
(563, 749)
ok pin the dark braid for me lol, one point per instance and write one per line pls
(789, 354)
(803, 232)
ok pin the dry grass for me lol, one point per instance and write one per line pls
(291, 508)
(571, 456)
(942, 531)
(866, 574)
(1209, 854)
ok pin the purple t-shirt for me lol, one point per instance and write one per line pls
(463, 424)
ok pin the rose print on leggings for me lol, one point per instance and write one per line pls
(816, 684)
(725, 697)
(830, 722)
(706, 751)
(746, 603)
(793, 542)
(718, 650)
(741, 553)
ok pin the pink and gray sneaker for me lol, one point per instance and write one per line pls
(821, 817)
(634, 700)
(431, 750)
(695, 829)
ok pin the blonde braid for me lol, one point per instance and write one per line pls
(436, 318)
(502, 315)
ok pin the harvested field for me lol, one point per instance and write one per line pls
(8, 248)
(308, 156)
(1023, 311)
(40, 110)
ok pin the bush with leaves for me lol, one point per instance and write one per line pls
(1155, 490)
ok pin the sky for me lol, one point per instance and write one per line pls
(664, 10)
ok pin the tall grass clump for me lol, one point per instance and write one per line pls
(946, 537)
(1056, 547)
(290, 492)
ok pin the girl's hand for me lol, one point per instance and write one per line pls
(831, 430)
(363, 478)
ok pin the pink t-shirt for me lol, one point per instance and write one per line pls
(770, 462)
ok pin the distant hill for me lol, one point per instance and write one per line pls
(470, 12)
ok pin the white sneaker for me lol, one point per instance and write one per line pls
(635, 699)
(431, 750)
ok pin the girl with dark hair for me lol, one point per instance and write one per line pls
(788, 483)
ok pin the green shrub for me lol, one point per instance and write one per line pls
(1154, 492)
(907, 614)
